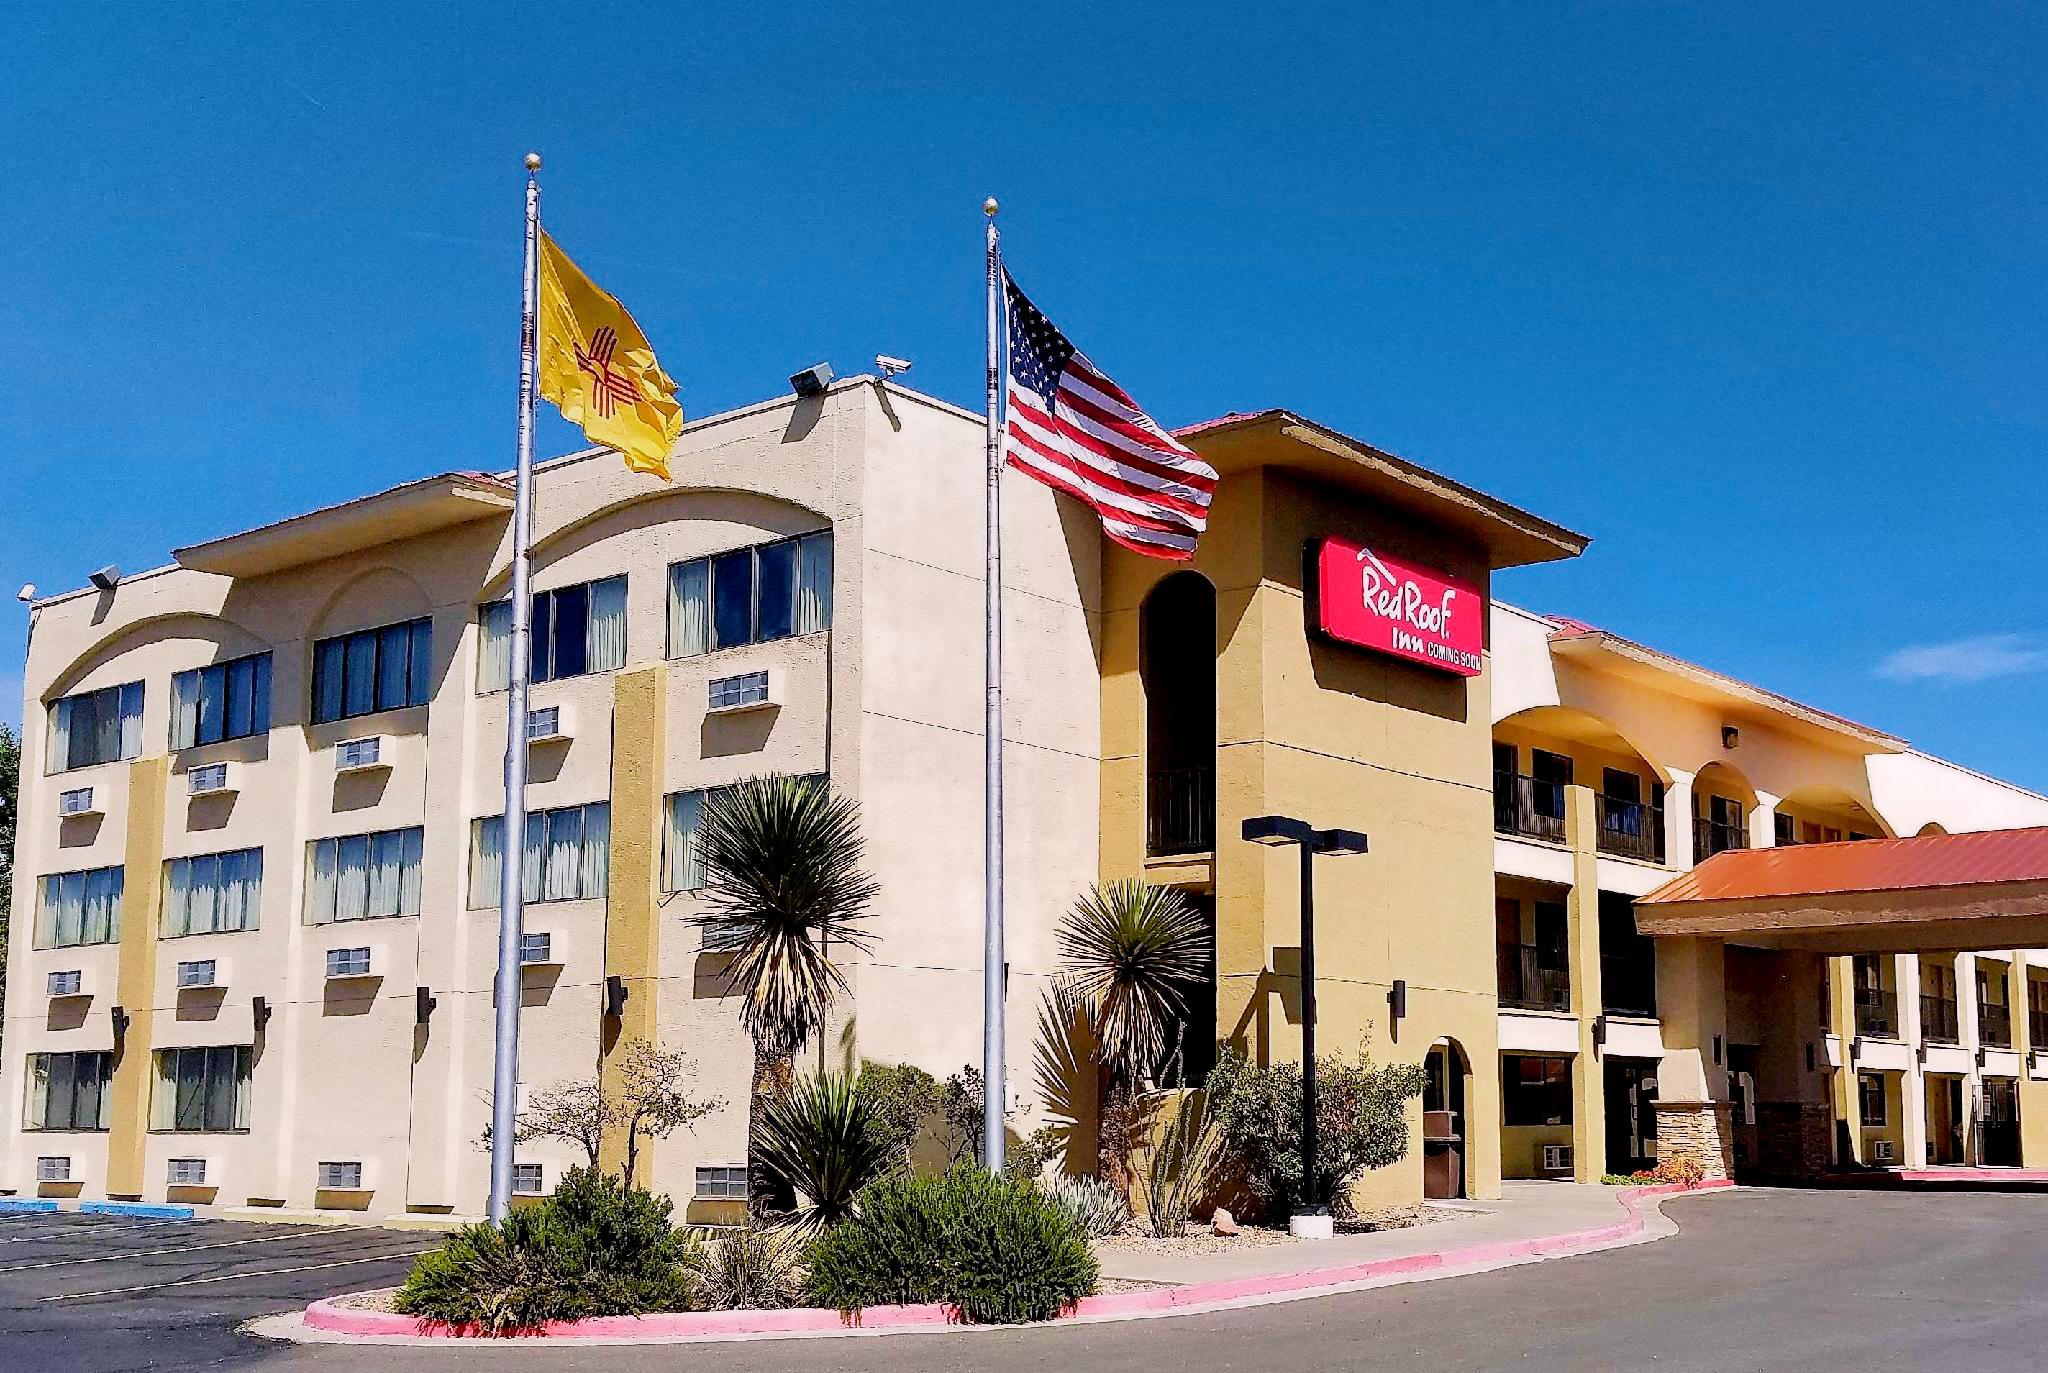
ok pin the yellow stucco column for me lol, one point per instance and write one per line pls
(632, 927)
(1842, 1008)
(2033, 1095)
(1589, 1096)
(142, 863)
(1693, 1112)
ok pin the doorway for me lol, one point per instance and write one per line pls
(1443, 1121)
(1631, 1092)
(2000, 1128)
(1944, 1119)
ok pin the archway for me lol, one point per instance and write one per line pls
(1540, 751)
(1722, 801)
(1827, 815)
(1447, 1086)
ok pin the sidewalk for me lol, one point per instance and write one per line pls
(1526, 1211)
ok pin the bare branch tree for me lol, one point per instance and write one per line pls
(649, 1101)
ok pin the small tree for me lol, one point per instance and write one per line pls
(1361, 1121)
(649, 1102)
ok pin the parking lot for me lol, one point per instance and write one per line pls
(142, 1292)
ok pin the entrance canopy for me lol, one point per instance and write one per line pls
(1932, 893)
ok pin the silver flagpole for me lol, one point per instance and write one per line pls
(995, 973)
(512, 843)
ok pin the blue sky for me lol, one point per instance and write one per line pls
(1751, 294)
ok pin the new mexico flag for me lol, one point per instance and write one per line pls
(597, 368)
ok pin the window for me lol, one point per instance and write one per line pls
(1552, 773)
(750, 595)
(576, 629)
(1535, 1091)
(201, 1089)
(101, 726)
(69, 1091)
(228, 700)
(568, 855)
(1870, 1097)
(198, 972)
(527, 1179)
(373, 670)
(363, 876)
(537, 947)
(213, 892)
(722, 1182)
(1785, 830)
(80, 908)
(353, 962)
(681, 868)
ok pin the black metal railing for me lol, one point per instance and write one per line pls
(1710, 837)
(1534, 979)
(1180, 811)
(1628, 983)
(1939, 1022)
(1994, 1025)
(1528, 806)
(1630, 829)
(1877, 1012)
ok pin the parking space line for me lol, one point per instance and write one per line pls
(236, 1277)
(155, 1253)
(59, 1231)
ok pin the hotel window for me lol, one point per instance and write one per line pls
(576, 630)
(682, 868)
(567, 855)
(213, 892)
(364, 876)
(750, 595)
(1870, 1096)
(373, 670)
(528, 1179)
(201, 1090)
(103, 726)
(1535, 1090)
(1552, 773)
(1785, 830)
(228, 700)
(80, 908)
(69, 1091)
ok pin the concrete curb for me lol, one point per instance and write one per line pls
(354, 1324)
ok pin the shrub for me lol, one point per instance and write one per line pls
(1361, 1121)
(1180, 1169)
(594, 1248)
(902, 1097)
(823, 1141)
(751, 1269)
(995, 1248)
(1096, 1206)
(1683, 1172)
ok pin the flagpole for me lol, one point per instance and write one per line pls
(512, 842)
(995, 972)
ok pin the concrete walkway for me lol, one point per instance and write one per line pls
(1525, 1211)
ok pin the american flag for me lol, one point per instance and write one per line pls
(1075, 430)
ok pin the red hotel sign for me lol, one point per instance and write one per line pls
(1379, 602)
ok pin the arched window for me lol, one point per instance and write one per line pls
(1177, 666)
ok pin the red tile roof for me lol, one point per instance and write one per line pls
(1863, 865)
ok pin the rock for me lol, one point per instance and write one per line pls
(1223, 1223)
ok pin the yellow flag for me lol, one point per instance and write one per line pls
(597, 367)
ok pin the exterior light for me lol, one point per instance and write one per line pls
(1276, 830)
(105, 578)
(812, 381)
(1340, 841)
(1730, 736)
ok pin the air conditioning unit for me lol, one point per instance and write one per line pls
(1882, 1151)
(544, 725)
(210, 780)
(744, 691)
(527, 1180)
(77, 801)
(186, 1172)
(341, 1177)
(200, 972)
(1557, 1158)
(359, 755)
(53, 1168)
(537, 949)
(350, 962)
(70, 982)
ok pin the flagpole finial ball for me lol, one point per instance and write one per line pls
(533, 162)
(989, 207)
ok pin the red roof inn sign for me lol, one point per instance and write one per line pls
(1377, 601)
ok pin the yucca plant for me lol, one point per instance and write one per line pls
(1181, 1168)
(748, 1270)
(821, 1142)
(781, 858)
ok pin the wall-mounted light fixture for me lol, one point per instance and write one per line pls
(1599, 1033)
(120, 1018)
(1397, 999)
(423, 1003)
(259, 1012)
(105, 578)
(614, 996)
(812, 381)
(1730, 736)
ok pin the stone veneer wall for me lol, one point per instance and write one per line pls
(1701, 1131)
(1792, 1139)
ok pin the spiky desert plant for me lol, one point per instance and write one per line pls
(1096, 1206)
(1134, 953)
(1179, 1172)
(749, 1270)
(822, 1141)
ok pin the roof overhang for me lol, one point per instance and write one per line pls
(403, 512)
(1737, 700)
(1511, 537)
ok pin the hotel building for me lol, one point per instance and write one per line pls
(258, 851)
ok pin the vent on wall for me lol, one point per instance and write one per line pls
(1881, 1151)
(341, 1177)
(77, 801)
(357, 755)
(53, 1168)
(1557, 1158)
(186, 1172)
(205, 781)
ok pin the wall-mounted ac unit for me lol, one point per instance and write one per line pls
(544, 725)
(349, 962)
(1882, 1151)
(527, 1180)
(210, 780)
(53, 1168)
(1557, 1158)
(744, 691)
(359, 755)
(341, 1177)
(201, 972)
(77, 801)
(69, 982)
(537, 949)
(186, 1172)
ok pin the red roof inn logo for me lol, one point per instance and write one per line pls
(1380, 602)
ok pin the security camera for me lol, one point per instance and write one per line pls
(889, 366)
(27, 593)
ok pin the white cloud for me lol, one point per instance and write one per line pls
(1978, 658)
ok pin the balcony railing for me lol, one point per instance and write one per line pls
(1628, 984)
(1533, 979)
(1528, 806)
(1710, 837)
(1180, 811)
(1994, 1025)
(1939, 1023)
(2037, 1028)
(1630, 829)
(1877, 1012)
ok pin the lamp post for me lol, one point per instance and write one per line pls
(1311, 1219)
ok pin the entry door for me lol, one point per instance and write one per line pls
(1631, 1092)
(2001, 1123)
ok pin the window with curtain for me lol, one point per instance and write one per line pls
(567, 855)
(80, 908)
(681, 867)
(373, 670)
(228, 700)
(103, 726)
(213, 892)
(576, 630)
(69, 1091)
(750, 595)
(364, 876)
(201, 1090)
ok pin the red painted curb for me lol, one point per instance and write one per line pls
(341, 1320)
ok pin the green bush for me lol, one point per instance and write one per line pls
(902, 1097)
(996, 1248)
(1361, 1122)
(594, 1248)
